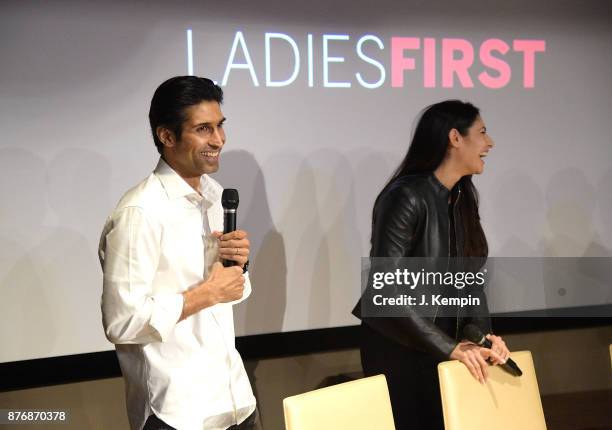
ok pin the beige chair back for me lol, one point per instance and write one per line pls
(505, 402)
(357, 405)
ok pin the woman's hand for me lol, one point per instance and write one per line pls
(499, 346)
(474, 358)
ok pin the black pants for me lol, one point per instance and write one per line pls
(154, 423)
(412, 378)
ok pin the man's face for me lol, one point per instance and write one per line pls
(196, 151)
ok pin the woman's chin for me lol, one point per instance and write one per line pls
(479, 169)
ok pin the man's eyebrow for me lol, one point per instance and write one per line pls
(209, 123)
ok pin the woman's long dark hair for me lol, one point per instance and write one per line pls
(426, 152)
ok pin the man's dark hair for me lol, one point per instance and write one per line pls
(173, 97)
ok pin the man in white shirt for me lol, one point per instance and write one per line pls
(167, 301)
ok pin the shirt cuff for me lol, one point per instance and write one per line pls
(167, 309)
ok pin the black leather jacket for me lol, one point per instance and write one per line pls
(411, 219)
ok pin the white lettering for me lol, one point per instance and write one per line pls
(377, 280)
(310, 62)
(296, 62)
(371, 61)
(239, 39)
(327, 59)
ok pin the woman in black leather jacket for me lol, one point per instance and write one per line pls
(429, 208)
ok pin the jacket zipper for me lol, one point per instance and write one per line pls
(457, 252)
(449, 256)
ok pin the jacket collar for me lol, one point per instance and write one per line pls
(440, 189)
(437, 185)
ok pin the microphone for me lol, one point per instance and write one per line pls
(474, 334)
(229, 200)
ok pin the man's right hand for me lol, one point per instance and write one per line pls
(224, 284)
(474, 358)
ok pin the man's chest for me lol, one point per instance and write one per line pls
(186, 242)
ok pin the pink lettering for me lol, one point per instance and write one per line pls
(399, 63)
(452, 66)
(429, 62)
(529, 49)
(497, 64)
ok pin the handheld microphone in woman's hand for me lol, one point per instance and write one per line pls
(473, 333)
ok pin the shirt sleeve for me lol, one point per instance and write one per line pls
(129, 254)
(246, 292)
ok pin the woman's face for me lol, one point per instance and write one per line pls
(473, 148)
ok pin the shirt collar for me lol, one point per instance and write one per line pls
(177, 187)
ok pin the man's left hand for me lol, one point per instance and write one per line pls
(234, 246)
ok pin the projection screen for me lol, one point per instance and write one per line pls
(320, 99)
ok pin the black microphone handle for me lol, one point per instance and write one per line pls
(229, 220)
(229, 225)
(509, 366)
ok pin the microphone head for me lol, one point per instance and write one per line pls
(229, 198)
(473, 333)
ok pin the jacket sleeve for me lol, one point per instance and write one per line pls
(129, 254)
(395, 231)
(479, 314)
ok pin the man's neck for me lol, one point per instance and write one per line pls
(192, 181)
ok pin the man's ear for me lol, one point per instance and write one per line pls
(454, 138)
(166, 136)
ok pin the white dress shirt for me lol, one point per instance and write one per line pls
(152, 248)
